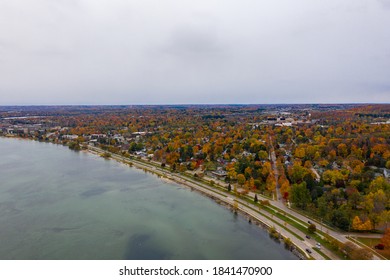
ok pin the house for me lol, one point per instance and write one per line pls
(219, 173)
(70, 137)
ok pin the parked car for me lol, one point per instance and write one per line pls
(308, 237)
(380, 246)
(308, 250)
(318, 245)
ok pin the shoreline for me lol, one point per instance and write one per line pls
(173, 178)
(238, 206)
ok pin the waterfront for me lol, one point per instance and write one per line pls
(60, 204)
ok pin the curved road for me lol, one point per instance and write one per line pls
(244, 206)
(228, 199)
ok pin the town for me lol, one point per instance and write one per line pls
(330, 163)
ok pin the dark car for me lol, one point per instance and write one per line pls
(308, 237)
(308, 250)
(380, 246)
(309, 222)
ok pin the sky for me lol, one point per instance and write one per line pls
(71, 52)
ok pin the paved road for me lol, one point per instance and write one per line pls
(248, 208)
(228, 199)
(276, 171)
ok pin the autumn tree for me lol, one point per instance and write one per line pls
(357, 224)
(311, 228)
(241, 179)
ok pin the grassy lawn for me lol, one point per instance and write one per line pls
(371, 242)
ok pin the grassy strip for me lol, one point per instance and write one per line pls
(276, 222)
(321, 253)
(221, 188)
(287, 220)
(326, 226)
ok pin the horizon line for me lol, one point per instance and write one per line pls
(192, 104)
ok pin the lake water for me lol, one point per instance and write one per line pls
(59, 204)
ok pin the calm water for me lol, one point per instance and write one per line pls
(60, 204)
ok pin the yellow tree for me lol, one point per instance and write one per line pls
(241, 179)
(356, 223)
(284, 187)
(271, 183)
(300, 152)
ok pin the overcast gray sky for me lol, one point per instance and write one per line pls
(200, 51)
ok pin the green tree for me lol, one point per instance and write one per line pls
(74, 146)
(300, 195)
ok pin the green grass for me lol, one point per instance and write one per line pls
(370, 242)
(321, 253)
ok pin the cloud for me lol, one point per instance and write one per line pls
(111, 52)
(385, 3)
(190, 41)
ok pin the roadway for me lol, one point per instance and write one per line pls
(256, 214)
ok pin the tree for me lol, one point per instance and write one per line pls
(340, 217)
(288, 243)
(263, 155)
(342, 150)
(361, 254)
(300, 195)
(380, 183)
(300, 153)
(241, 179)
(311, 228)
(271, 183)
(357, 224)
(74, 146)
(231, 174)
(332, 177)
(375, 205)
(298, 173)
(284, 187)
(348, 247)
(235, 206)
